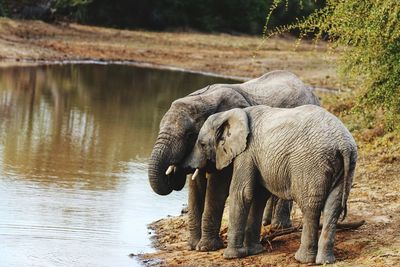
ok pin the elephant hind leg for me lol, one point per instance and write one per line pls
(281, 214)
(277, 213)
(307, 251)
(332, 211)
(267, 216)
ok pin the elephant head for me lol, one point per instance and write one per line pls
(178, 133)
(222, 137)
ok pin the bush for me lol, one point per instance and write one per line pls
(245, 16)
(368, 35)
(72, 9)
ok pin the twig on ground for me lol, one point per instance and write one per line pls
(295, 229)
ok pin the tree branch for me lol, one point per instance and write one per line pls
(290, 230)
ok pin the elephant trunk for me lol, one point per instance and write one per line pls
(164, 154)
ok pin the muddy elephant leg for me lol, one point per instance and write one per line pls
(332, 211)
(197, 193)
(217, 192)
(253, 226)
(277, 213)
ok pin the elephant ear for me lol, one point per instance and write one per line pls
(230, 136)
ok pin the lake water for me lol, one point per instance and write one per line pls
(74, 144)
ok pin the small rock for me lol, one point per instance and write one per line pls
(184, 210)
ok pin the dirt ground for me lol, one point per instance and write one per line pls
(375, 195)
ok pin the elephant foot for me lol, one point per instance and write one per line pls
(210, 244)
(192, 243)
(305, 256)
(233, 253)
(255, 249)
(323, 258)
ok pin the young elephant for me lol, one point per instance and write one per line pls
(303, 154)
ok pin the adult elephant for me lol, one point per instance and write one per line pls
(178, 132)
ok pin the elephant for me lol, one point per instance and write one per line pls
(304, 154)
(177, 135)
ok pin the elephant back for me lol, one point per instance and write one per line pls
(281, 89)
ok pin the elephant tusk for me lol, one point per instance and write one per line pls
(170, 170)
(195, 174)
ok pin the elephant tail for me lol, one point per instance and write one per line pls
(349, 164)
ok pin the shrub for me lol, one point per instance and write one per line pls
(368, 35)
(245, 16)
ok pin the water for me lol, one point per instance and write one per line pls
(74, 145)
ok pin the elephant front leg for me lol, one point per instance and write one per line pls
(241, 195)
(197, 192)
(253, 227)
(217, 192)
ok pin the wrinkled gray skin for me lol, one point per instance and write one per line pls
(303, 154)
(178, 132)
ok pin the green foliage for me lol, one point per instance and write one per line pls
(68, 3)
(367, 34)
(75, 9)
(247, 16)
(3, 9)
(371, 31)
(242, 16)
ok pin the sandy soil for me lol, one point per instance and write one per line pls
(374, 196)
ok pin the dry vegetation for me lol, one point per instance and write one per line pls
(374, 196)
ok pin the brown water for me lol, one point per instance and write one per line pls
(74, 144)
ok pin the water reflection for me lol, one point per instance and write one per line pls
(74, 141)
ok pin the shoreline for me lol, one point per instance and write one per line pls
(22, 63)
